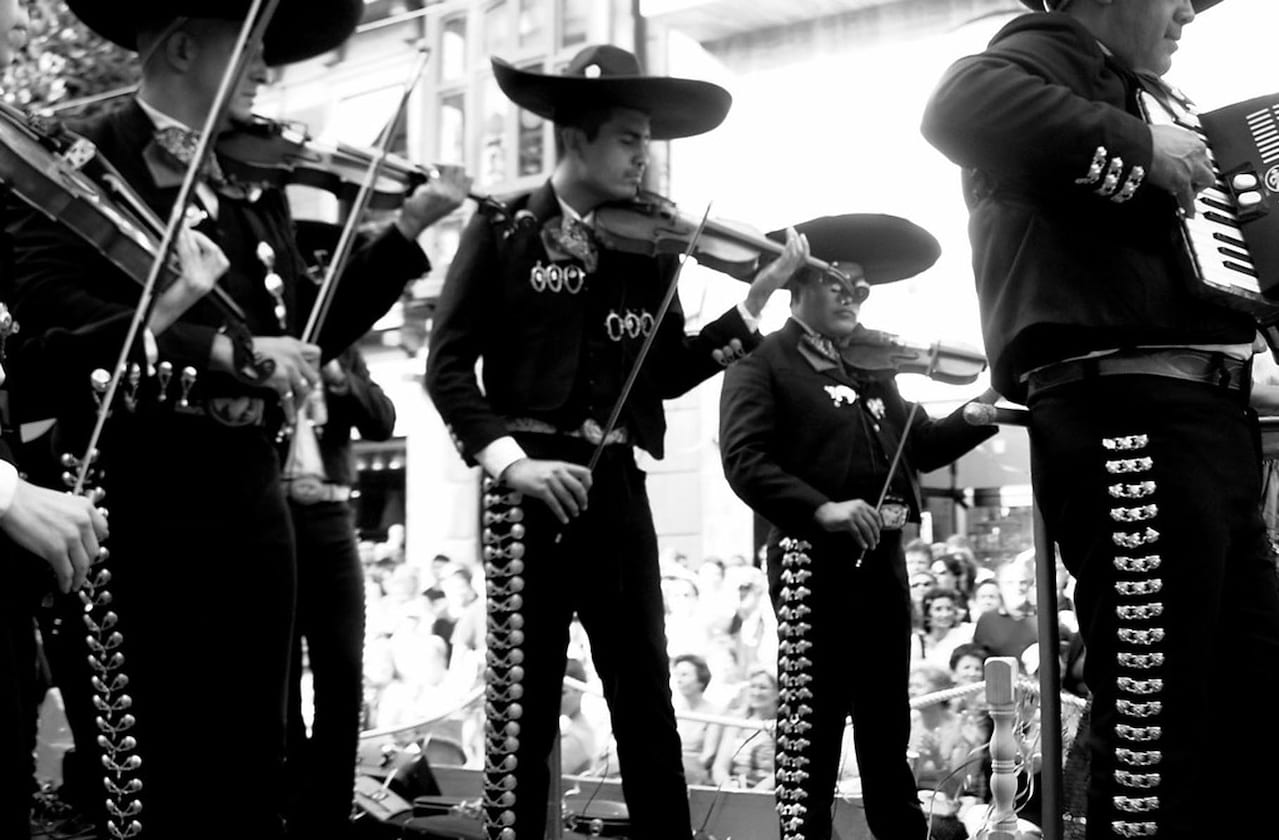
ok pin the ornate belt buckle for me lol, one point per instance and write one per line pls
(893, 513)
(305, 489)
(592, 431)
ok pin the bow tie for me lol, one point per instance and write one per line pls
(823, 346)
(575, 238)
(179, 144)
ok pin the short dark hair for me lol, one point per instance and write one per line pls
(968, 649)
(937, 593)
(699, 665)
(588, 119)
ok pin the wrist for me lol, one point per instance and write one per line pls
(409, 226)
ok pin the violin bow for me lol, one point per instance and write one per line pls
(615, 415)
(251, 34)
(933, 355)
(346, 241)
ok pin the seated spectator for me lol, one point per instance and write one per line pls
(466, 658)
(919, 557)
(753, 626)
(685, 623)
(985, 598)
(953, 571)
(1011, 629)
(689, 678)
(943, 631)
(578, 743)
(939, 739)
(920, 583)
(745, 755)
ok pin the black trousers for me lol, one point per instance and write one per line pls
(19, 693)
(844, 649)
(201, 593)
(605, 568)
(1151, 487)
(330, 616)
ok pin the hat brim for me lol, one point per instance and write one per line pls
(675, 107)
(301, 29)
(888, 248)
(1199, 5)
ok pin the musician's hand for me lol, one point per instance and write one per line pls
(433, 201)
(297, 369)
(775, 275)
(202, 263)
(1179, 164)
(856, 517)
(62, 529)
(562, 485)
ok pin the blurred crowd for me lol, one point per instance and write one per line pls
(424, 656)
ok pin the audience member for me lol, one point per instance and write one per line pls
(690, 677)
(578, 743)
(943, 629)
(939, 739)
(1011, 629)
(985, 598)
(745, 755)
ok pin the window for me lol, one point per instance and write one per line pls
(575, 18)
(453, 128)
(532, 23)
(453, 48)
(493, 142)
(497, 29)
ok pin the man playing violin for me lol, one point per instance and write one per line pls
(807, 439)
(1144, 447)
(203, 566)
(558, 320)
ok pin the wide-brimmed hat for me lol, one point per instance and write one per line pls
(888, 248)
(1047, 5)
(301, 29)
(603, 76)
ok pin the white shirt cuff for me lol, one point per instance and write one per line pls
(752, 323)
(499, 455)
(8, 485)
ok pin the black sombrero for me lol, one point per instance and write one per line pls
(608, 76)
(888, 248)
(1049, 5)
(301, 29)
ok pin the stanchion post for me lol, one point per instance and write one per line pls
(1001, 677)
(1049, 680)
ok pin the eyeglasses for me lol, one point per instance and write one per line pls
(859, 291)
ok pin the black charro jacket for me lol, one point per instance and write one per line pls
(546, 355)
(797, 431)
(1062, 266)
(61, 287)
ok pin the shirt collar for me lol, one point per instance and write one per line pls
(161, 119)
(569, 213)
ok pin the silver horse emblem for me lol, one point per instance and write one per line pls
(841, 395)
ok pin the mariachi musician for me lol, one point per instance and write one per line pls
(810, 424)
(1144, 447)
(46, 531)
(558, 320)
(203, 566)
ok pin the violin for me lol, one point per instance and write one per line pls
(47, 166)
(651, 224)
(264, 151)
(876, 351)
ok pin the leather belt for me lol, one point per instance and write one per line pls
(307, 490)
(1210, 368)
(590, 430)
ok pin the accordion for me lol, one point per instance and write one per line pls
(1233, 238)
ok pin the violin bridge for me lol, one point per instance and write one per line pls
(79, 153)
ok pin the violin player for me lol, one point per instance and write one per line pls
(807, 439)
(202, 546)
(1144, 446)
(558, 319)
